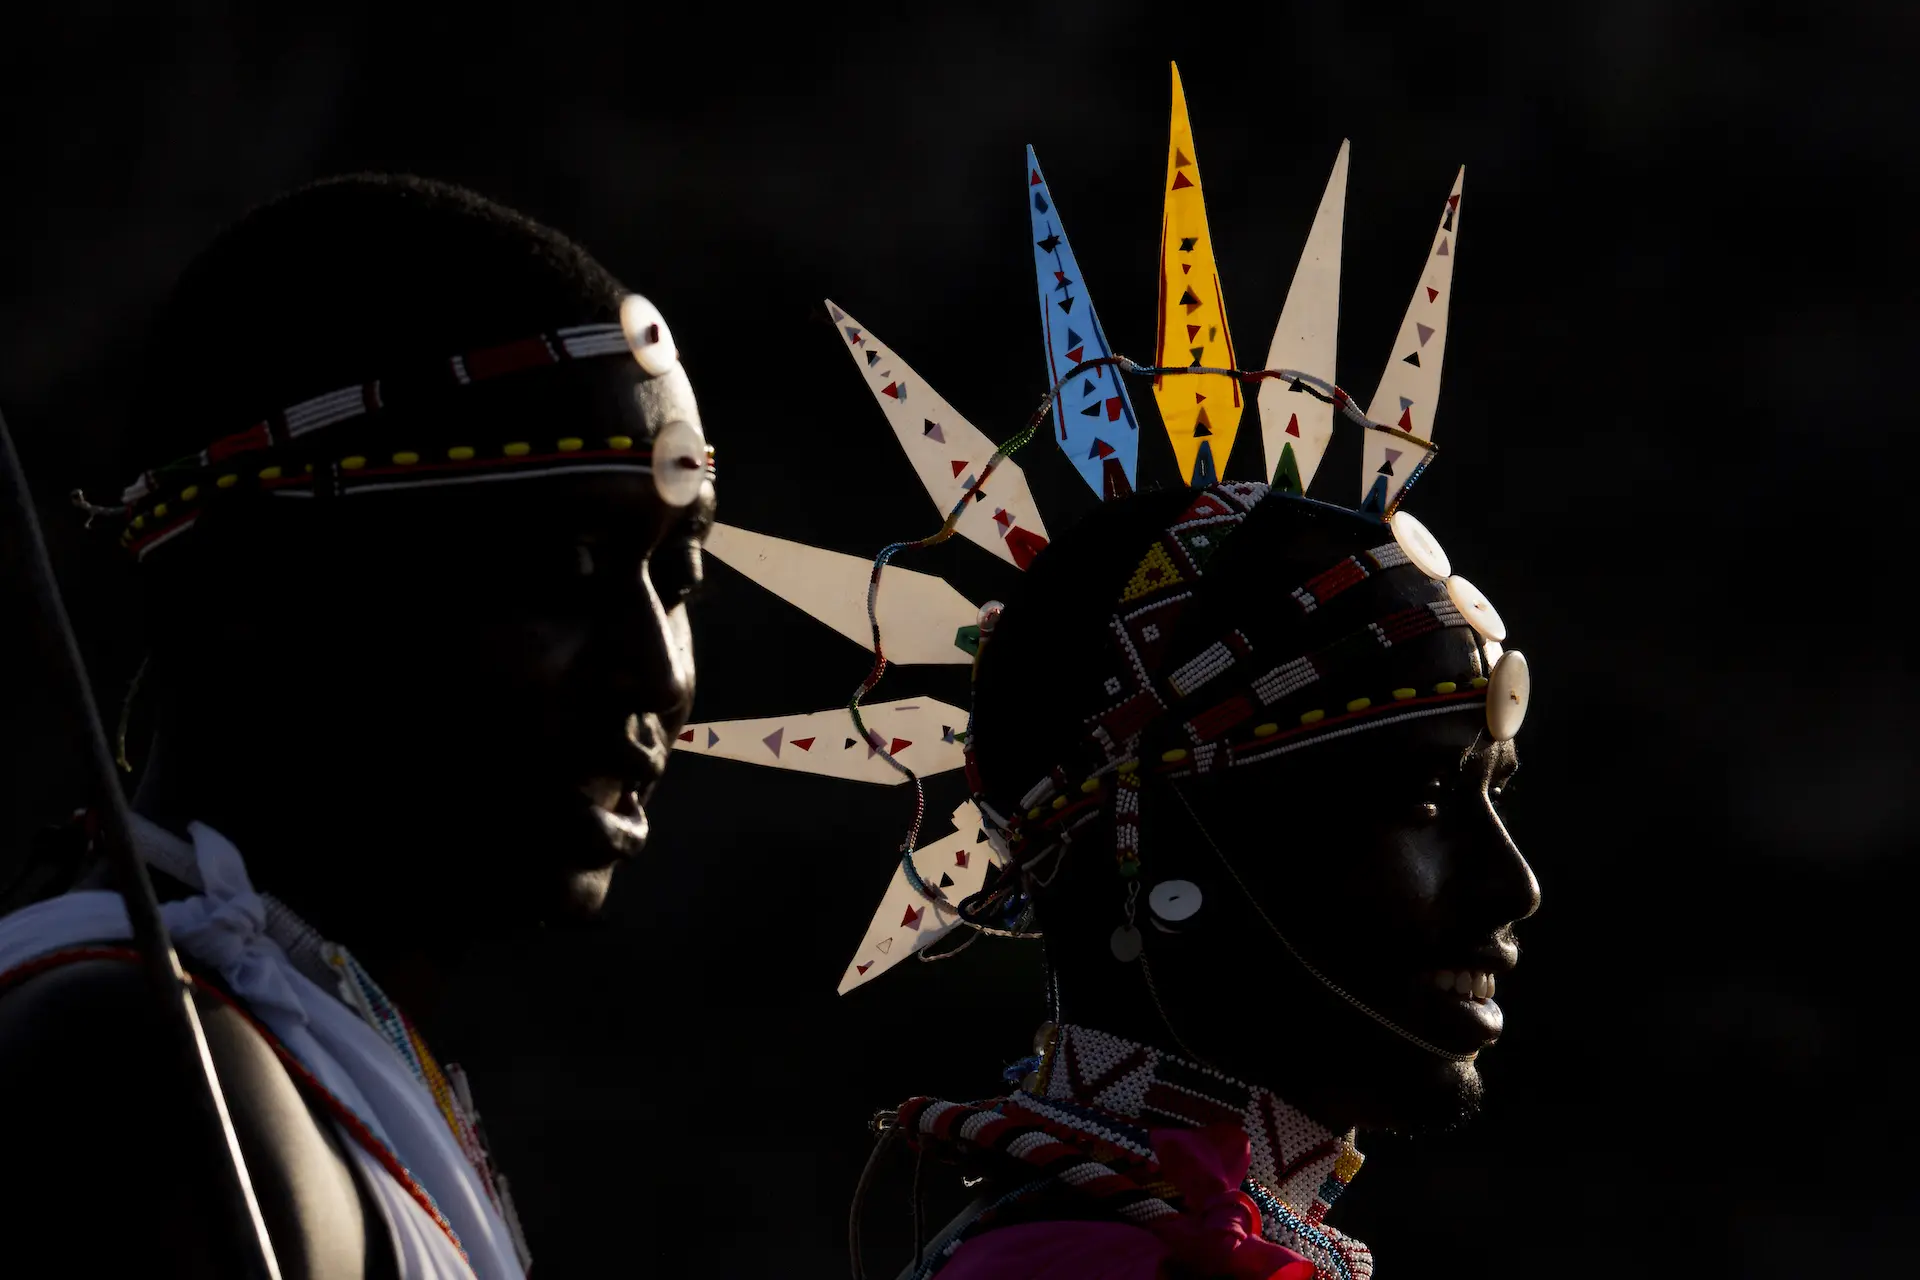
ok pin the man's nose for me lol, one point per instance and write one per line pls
(646, 653)
(1503, 881)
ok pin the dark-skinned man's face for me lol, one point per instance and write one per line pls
(1384, 860)
(480, 685)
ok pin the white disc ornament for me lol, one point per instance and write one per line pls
(1476, 608)
(1127, 944)
(1493, 649)
(679, 462)
(647, 335)
(1174, 900)
(1507, 695)
(1423, 550)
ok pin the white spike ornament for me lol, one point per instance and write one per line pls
(947, 451)
(921, 616)
(1294, 426)
(918, 732)
(906, 921)
(1409, 390)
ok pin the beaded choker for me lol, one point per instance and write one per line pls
(1084, 1127)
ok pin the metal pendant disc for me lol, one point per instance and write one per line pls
(1127, 944)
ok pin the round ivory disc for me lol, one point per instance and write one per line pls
(679, 462)
(1476, 608)
(647, 335)
(1127, 943)
(1507, 695)
(1174, 900)
(1422, 548)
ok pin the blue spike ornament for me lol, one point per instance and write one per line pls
(1093, 420)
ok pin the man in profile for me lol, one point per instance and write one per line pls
(426, 494)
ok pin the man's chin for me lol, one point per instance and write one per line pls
(1445, 1097)
(583, 896)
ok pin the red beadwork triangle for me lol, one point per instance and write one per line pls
(958, 467)
(1034, 181)
(912, 919)
(1433, 294)
(1180, 180)
(804, 744)
(1293, 429)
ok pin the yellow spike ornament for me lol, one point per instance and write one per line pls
(1201, 412)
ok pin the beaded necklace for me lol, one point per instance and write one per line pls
(1085, 1126)
(359, 992)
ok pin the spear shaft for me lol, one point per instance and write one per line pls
(43, 607)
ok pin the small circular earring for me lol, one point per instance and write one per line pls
(1174, 902)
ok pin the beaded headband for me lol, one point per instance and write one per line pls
(269, 457)
(1231, 703)
(1216, 704)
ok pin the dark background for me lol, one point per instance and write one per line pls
(1676, 437)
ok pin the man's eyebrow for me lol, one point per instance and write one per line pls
(699, 520)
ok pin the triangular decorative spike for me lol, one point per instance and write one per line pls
(919, 613)
(1286, 473)
(1203, 469)
(1412, 379)
(1071, 337)
(1191, 298)
(909, 405)
(915, 722)
(905, 921)
(1307, 339)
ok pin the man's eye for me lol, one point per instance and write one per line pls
(677, 573)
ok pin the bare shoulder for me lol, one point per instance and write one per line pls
(118, 1168)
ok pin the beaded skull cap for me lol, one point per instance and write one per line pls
(1223, 700)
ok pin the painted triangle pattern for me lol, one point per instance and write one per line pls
(920, 615)
(905, 922)
(919, 732)
(1092, 418)
(1193, 317)
(910, 405)
(1409, 390)
(1294, 426)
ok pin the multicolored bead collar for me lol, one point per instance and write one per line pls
(280, 455)
(1086, 1119)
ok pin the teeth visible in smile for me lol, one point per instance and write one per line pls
(1476, 984)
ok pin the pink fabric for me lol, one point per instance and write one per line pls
(1216, 1236)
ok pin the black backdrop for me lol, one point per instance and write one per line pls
(1674, 453)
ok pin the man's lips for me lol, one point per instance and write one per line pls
(617, 806)
(1458, 999)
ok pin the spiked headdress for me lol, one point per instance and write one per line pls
(1176, 699)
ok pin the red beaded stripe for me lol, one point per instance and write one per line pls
(1325, 585)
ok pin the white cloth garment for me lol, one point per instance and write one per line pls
(226, 928)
